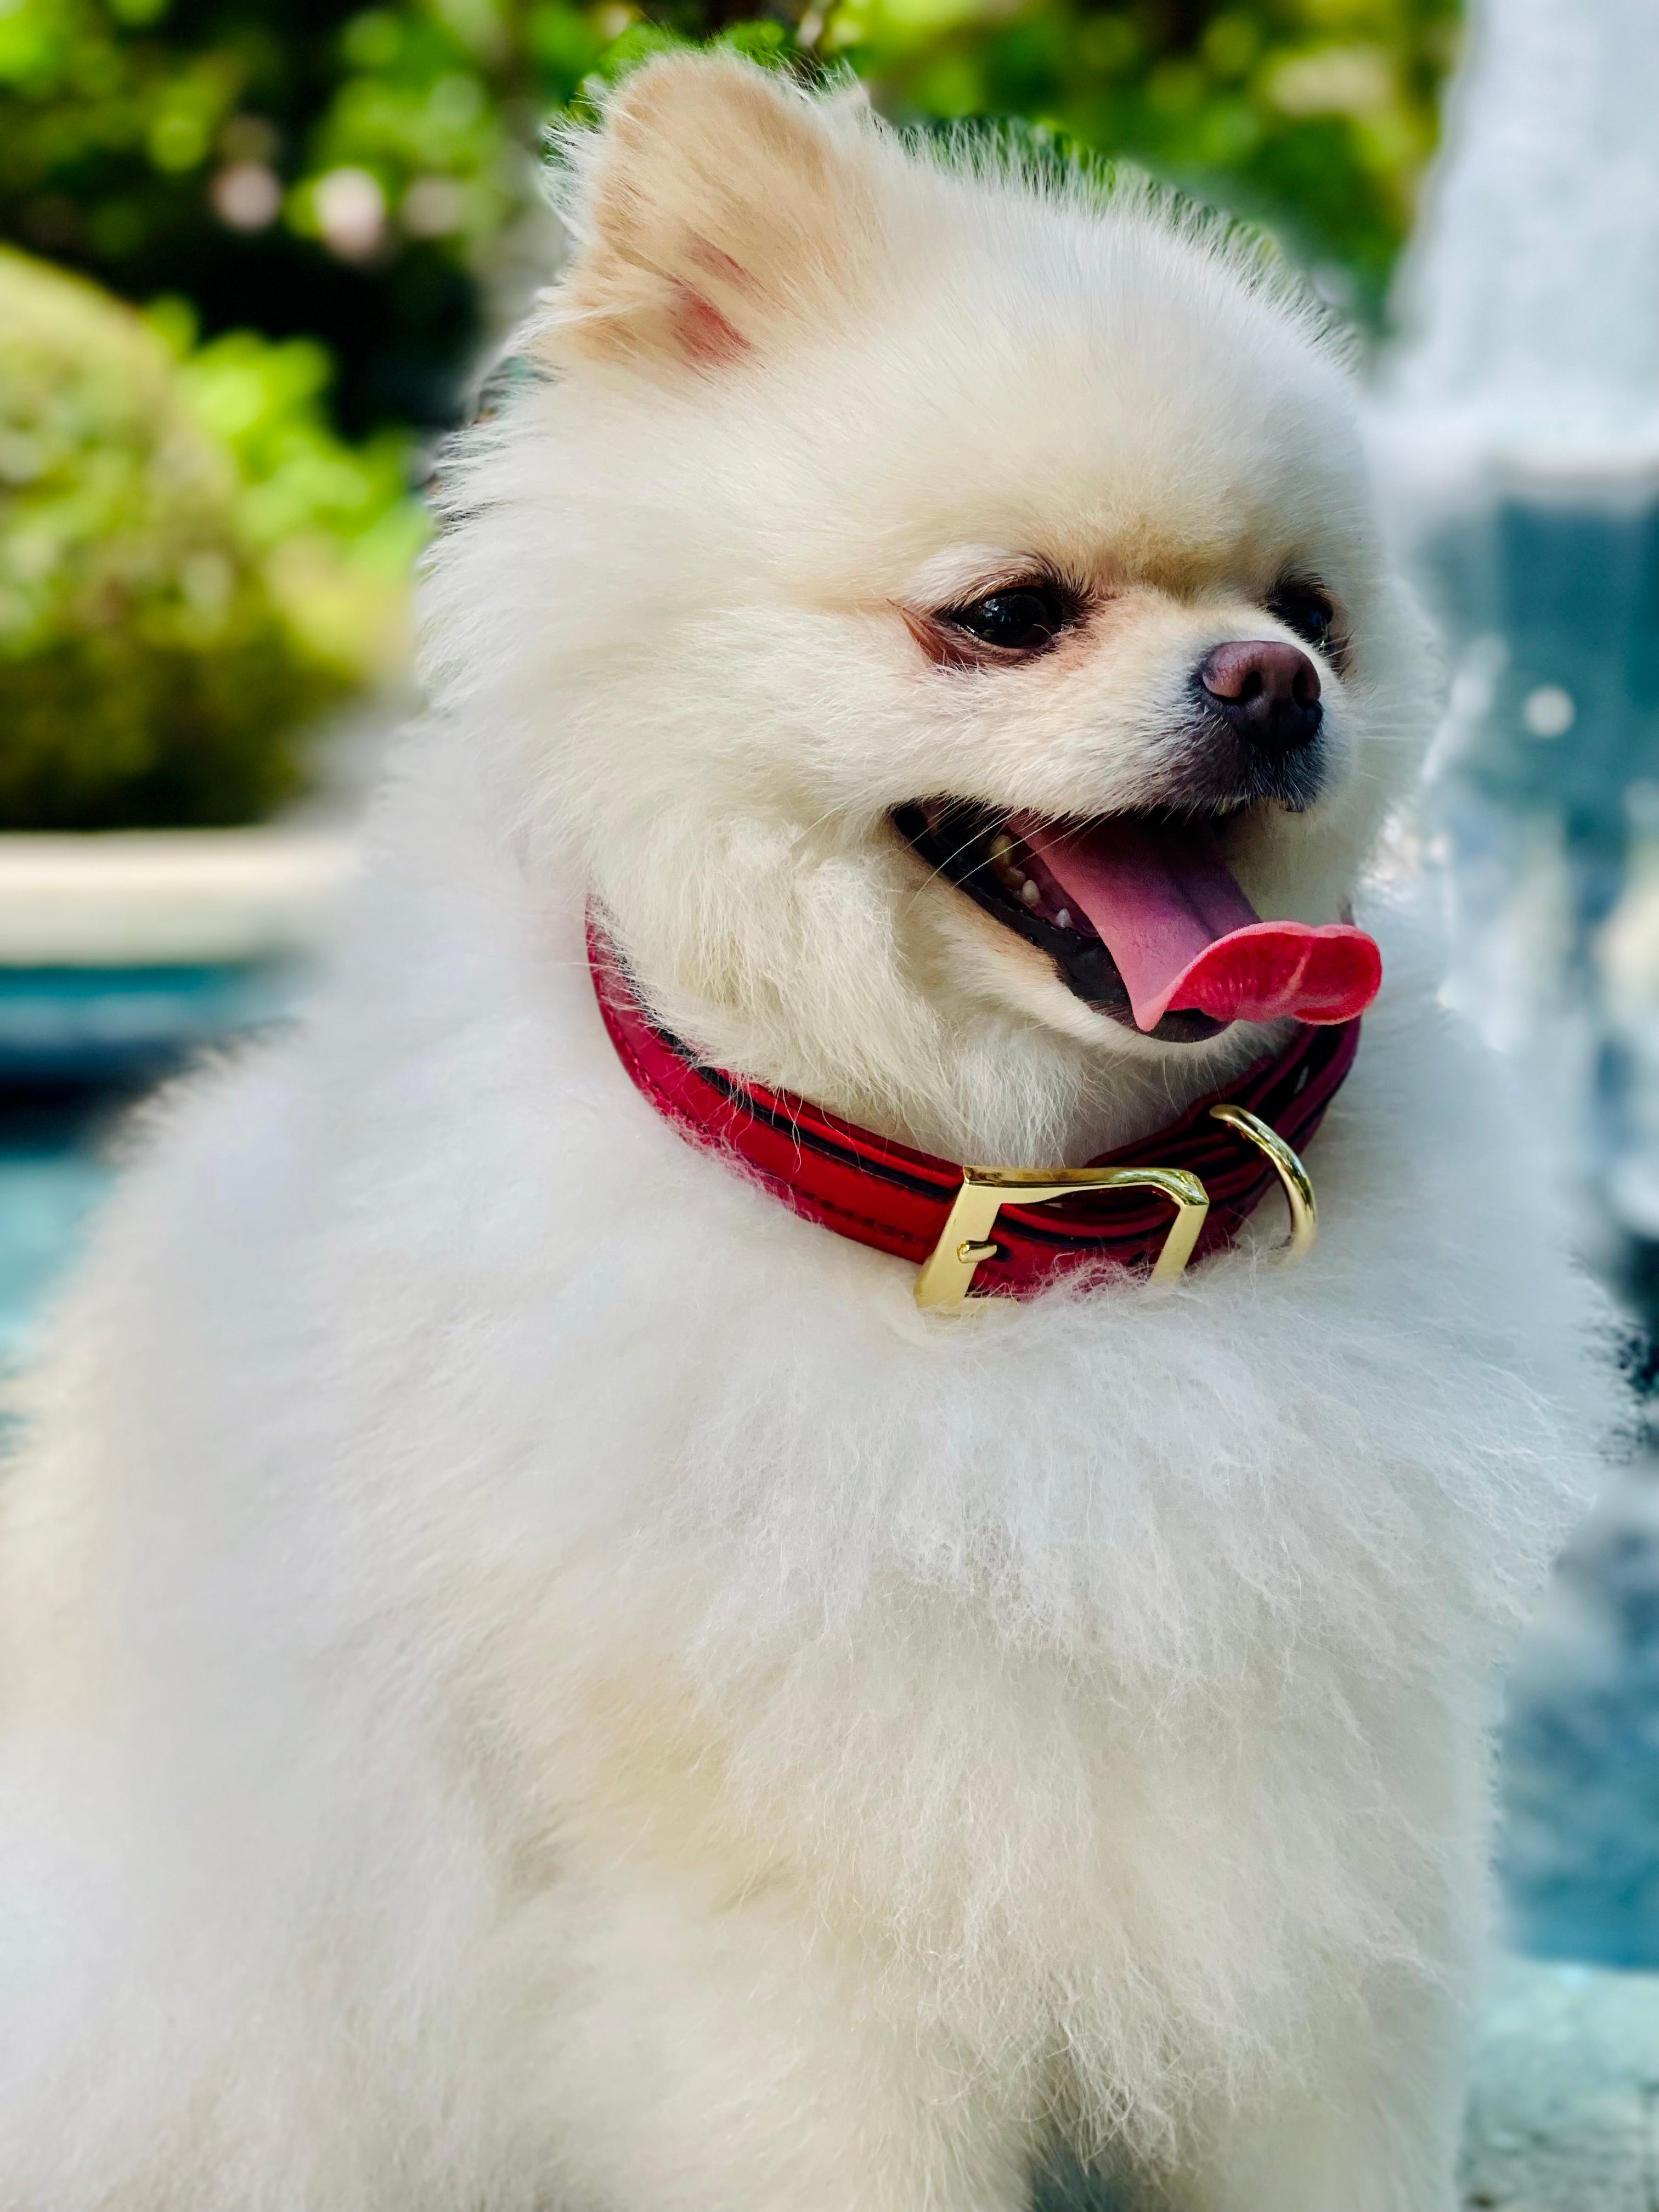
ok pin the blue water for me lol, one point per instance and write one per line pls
(1579, 1850)
(51, 1176)
(98, 1027)
(77, 1046)
(1567, 580)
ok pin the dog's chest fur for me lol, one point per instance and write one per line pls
(1070, 1663)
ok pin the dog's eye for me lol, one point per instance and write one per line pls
(1023, 618)
(1304, 609)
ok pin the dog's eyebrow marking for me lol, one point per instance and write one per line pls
(965, 572)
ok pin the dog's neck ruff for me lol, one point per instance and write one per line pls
(899, 1200)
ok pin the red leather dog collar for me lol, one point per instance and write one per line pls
(1116, 1213)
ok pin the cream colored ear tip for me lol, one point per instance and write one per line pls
(640, 97)
(666, 79)
(716, 211)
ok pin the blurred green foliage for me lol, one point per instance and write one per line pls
(192, 564)
(333, 527)
(362, 175)
(1314, 118)
(288, 166)
(205, 525)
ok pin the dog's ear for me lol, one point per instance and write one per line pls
(720, 210)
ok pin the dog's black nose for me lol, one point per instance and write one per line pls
(1268, 692)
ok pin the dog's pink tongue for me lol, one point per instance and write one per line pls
(1183, 933)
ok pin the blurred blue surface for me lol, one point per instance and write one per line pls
(76, 1046)
(50, 1178)
(1579, 1851)
(108, 1025)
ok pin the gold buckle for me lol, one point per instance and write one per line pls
(948, 1271)
(964, 1241)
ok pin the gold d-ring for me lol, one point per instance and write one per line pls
(947, 1272)
(1298, 1190)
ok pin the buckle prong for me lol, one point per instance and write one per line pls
(947, 1273)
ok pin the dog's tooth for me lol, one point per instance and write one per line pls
(1005, 864)
(1063, 919)
(1029, 892)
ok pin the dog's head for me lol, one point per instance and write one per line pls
(947, 602)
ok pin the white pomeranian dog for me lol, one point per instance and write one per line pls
(588, 1621)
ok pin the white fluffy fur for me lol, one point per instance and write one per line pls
(534, 1678)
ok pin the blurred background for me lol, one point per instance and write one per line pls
(257, 256)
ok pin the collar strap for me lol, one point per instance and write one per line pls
(985, 1231)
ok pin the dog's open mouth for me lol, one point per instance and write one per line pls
(1143, 920)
